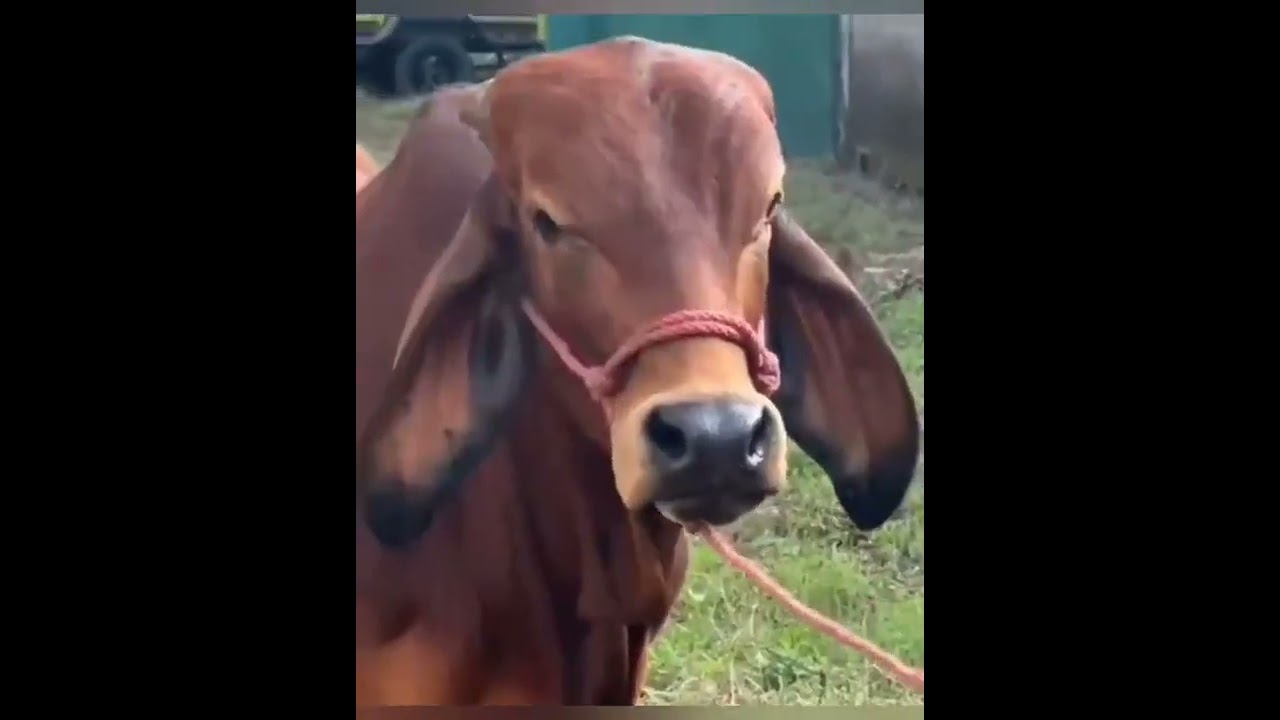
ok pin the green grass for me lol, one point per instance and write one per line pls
(731, 644)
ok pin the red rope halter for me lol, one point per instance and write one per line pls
(606, 380)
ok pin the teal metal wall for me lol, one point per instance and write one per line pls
(799, 54)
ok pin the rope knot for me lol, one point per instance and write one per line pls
(599, 383)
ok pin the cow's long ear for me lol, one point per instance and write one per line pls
(464, 358)
(844, 396)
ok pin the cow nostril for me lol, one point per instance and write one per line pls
(758, 444)
(666, 438)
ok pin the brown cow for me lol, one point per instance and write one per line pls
(518, 542)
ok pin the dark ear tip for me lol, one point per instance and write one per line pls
(395, 517)
(867, 511)
(888, 484)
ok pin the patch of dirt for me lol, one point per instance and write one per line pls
(881, 276)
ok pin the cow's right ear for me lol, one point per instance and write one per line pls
(465, 356)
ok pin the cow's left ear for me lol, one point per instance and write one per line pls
(844, 396)
(463, 362)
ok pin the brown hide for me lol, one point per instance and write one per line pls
(405, 218)
(514, 597)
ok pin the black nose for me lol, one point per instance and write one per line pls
(719, 436)
(711, 457)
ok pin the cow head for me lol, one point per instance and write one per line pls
(632, 180)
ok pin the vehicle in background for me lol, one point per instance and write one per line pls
(397, 56)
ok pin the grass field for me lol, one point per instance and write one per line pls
(730, 644)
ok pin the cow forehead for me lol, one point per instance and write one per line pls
(636, 68)
(638, 105)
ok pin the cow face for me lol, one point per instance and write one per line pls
(632, 180)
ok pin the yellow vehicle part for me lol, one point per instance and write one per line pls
(373, 27)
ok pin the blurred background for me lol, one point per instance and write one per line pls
(850, 96)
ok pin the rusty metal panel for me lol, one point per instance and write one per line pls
(883, 133)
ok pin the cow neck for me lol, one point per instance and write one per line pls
(621, 560)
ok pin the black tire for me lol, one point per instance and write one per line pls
(376, 71)
(427, 62)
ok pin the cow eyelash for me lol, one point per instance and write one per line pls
(774, 205)
(545, 226)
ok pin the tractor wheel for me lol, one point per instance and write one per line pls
(426, 63)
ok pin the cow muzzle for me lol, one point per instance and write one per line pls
(692, 430)
(713, 460)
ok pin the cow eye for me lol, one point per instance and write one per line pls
(545, 226)
(774, 205)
